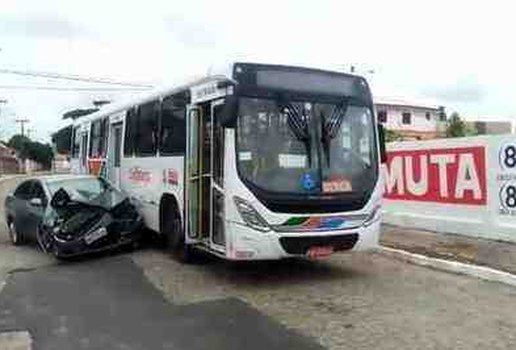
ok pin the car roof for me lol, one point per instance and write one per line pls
(61, 177)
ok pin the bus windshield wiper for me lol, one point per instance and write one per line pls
(298, 123)
(330, 127)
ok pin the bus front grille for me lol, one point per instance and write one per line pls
(300, 245)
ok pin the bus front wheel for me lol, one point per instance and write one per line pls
(175, 238)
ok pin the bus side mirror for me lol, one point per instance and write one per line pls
(381, 139)
(228, 115)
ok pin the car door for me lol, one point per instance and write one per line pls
(20, 206)
(36, 211)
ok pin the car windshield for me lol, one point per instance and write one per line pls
(94, 191)
(306, 146)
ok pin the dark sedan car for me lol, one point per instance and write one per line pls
(70, 215)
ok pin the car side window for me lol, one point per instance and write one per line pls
(39, 192)
(24, 190)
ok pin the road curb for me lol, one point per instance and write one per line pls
(481, 272)
(11, 177)
(8, 177)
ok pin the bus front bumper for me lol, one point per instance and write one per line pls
(245, 243)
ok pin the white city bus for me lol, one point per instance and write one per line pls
(265, 162)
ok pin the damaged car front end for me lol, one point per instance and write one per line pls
(88, 217)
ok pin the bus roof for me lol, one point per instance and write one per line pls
(222, 72)
(146, 96)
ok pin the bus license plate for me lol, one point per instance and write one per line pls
(319, 252)
(95, 235)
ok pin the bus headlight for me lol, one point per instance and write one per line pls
(250, 216)
(373, 217)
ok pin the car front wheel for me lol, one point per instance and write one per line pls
(14, 235)
(44, 240)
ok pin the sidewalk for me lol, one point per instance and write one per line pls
(495, 254)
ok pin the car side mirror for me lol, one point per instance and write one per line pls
(60, 198)
(381, 139)
(36, 202)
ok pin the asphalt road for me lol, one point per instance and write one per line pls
(145, 300)
(108, 304)
(361, 301)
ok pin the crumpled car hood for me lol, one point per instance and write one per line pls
(107, 199)
(76, 216)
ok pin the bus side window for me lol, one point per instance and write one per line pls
(147, 130)
(218, 147)
(98, 135)
(104, 136)
(84, 148)
(173, 126)
(129, 138)
(76, 143)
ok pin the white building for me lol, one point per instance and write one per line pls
(413, 120)
(61, 164)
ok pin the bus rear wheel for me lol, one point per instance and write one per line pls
(175, 238)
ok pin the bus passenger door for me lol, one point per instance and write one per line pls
(193, 175)
(205, 196)
(115, 153)
(217, 235)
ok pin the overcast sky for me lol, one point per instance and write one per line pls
(457, 53)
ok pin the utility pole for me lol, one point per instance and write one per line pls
(2, 102)
(22, 122)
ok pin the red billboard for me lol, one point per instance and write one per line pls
(448, 175)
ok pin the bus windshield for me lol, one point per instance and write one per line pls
(306, 147)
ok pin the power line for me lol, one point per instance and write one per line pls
(97, 80)
(70, 89)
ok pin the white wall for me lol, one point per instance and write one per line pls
(29, 166)
(61, 166)
(489, 216)
(418, 118)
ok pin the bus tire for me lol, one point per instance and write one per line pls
(173, 234)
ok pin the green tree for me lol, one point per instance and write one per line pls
(41, 153)
(455, 126)
(471, 129)
(19, 143)
(392, 135)
(37, 151)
